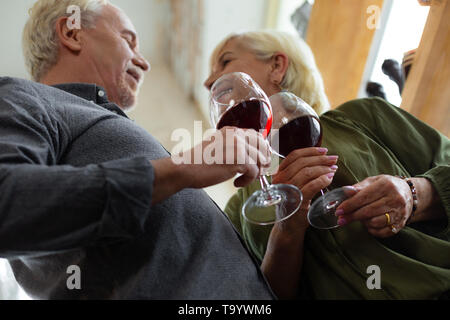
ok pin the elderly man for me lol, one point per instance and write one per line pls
(91, 205)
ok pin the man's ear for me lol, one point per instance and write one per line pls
(68, 37)
(280, 63)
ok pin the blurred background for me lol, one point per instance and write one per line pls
(351, 40)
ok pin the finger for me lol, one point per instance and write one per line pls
(264, 149)
(256, 146)
(300, 153)
(290, 171)
(254, 156)
(364, 197)
(313, 187)
(249, 174)
(250, 160)
(246, 153)
(377, 222)
(366, 211)
(381, 233)
(381, 221)
(307, 174)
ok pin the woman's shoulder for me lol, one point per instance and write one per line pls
(362, 108)
(368, 113)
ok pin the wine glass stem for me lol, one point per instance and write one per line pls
(264, 183)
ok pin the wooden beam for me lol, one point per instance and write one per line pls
(427, 90)
(340, 34)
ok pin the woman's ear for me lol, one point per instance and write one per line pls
(280, 63)
(68, 36)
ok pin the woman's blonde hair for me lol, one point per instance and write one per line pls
(39, 39)
(302, 77)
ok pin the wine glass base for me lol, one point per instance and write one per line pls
(273, 200)
(277, 203)
(321, 215)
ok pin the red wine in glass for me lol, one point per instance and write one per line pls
(252, 114)
(302, 132)
(238, 101)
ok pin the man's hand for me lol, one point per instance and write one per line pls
(229, 152)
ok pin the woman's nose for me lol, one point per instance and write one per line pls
(208, 83)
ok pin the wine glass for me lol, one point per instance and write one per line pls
(296, 125)
(238, 101)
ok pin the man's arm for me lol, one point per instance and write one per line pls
(237, 151)
(46, 207)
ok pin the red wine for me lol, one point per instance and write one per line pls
(302, 132)
(253, 114)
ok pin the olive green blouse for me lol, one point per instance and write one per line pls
(372, 137)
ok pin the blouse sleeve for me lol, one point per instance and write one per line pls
(233, 208)
(255, 236)
(422, 150)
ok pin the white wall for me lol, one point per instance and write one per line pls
(13, 15)
(148, 16)
(220, 19)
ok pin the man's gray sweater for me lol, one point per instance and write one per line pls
(75, 190)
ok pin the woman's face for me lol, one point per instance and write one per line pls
(234, 58)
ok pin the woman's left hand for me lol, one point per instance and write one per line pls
(383, 204)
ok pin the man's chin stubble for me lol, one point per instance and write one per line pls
(128, 99)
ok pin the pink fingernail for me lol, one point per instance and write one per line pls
(330, 175)
(339, 212)
(322, 150)
(342, 222)
(334, 167)
(333, 157)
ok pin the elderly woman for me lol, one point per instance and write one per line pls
(393, 230)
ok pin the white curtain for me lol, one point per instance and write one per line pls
(9, 288)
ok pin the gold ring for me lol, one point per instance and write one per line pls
(388, 219)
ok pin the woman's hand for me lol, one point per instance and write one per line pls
(309, 169)
(380, 195)
(382, 203)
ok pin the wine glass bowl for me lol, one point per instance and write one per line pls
(295, 124)
(321, 215)
(238, 101)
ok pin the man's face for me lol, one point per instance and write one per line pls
(112, 51)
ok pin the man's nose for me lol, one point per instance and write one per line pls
(141, 62)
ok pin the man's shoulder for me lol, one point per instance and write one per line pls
(9, 83)
(21, 94)
(23, 90)
(35, 96)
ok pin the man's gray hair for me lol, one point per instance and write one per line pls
(40, 41)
